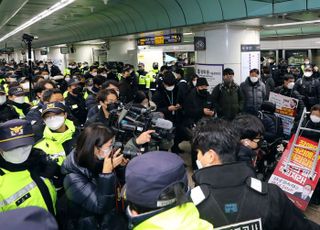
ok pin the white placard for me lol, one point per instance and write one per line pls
(212, 72)
(250, 59)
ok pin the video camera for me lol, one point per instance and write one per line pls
(130, 121)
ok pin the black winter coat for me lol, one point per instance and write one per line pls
(228, 100)
(254, 94)
(77, 106)
(91, 199)
(232, 199)
(163, 99)
(128, 88)
(7, 112)
(309, 89)
(194, 105)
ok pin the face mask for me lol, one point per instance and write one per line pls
(199, 165)
(67, 79)
(315, 119)
(194, 83)
(41, 67)
(73, 67)
(112, 107)
(104, 75)
(254, 79)
(54, 122)
(46, 77)
(3, 99)
(308, 74)
(49, 66)
(18, 155)
(169, 88)
(94, 74)
(105, 153)
(77, 90)
(290, 85)
(202, 92)
(25, 85)
(19, 100)
(307, 62)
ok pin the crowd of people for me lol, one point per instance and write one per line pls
(59, 146)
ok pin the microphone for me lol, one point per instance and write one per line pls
(162, 123)
(139, 110)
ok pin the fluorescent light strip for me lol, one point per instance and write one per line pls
(293, 23)
(59, 5)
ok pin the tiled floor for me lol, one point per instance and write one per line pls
(312, 212)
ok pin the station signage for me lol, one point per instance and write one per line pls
(160, 40)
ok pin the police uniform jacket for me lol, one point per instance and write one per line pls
(240, 197)
(7, 112)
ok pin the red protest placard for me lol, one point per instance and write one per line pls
(295, 181)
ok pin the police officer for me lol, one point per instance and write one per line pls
(17, 100)
(156, 190)
(24, 172)
(59, 134)
(7, 112)
(309, 88)
(238, 197)
(75, 101)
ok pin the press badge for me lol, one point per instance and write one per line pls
(245, 225)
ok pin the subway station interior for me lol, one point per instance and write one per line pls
(203, 36)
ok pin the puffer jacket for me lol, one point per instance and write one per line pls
(91, 199)
(254, 94)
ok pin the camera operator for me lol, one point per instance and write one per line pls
(91, 180)
(108, 115)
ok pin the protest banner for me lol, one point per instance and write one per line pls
(286, 109)
(294, 180)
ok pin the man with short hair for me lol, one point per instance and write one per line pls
(254, 92)
(227, 191)
(227, 96)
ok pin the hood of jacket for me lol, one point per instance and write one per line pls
(181, 217)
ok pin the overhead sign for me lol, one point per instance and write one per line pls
(7, 50)
(212, 72)
(286, 109)
(250, 59)
(294, 181)
(160, 40)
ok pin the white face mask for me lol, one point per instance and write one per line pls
(194, 83)
(104, 75)
(290, 85)
(12, 80)
(315, 119)
(169, 88)
(199, 165)
(254, 79)
(94, 74)
(67, 79)
(54, 122)
(105, 153)
(307, 74)
(307, 62)
(18, 155)
(25, 85)
(3, 99)
(46, 77)
(19, 100)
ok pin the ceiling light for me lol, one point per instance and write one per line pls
(292, 23)
(187, 33)
(59, 5)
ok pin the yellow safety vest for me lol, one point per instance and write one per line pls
(18, 190)
(66, 72)
(19, 111)
(52, 142)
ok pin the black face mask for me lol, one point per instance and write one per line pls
(228, 81)
(77, 90)
(203, 92)
(112, 107)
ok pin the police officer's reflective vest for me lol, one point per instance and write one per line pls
(19, 190)
(66, 71)
(19, 111)
(151, 76)
(52, 142)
